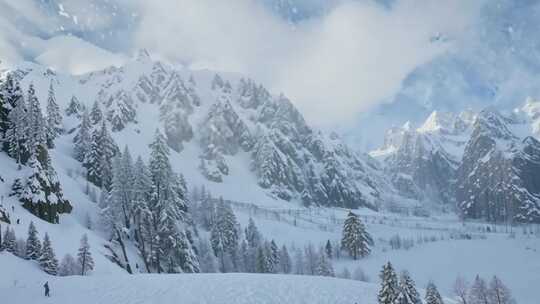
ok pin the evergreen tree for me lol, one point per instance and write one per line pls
(83, 139)
(75, 108)
(68, 266)
(98, 158)
(407, 293)
(253, 236)
(167, 208)
(432, 294)
(96, 115)
(48, 261)
(33, 245)
(36, 136)
(389, 285)
(285, 260)
(9, 241)
(356, 240)
(274, 257)
(54, 118)
(328, 249)
(299, 263)
(324, 268)
(17, 131)
(84, 257)
(498, 293)
(224, 235)
(207, 258)
(262, 265)
(10, 95)
(478, 293)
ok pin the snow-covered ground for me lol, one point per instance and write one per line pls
(21, 283)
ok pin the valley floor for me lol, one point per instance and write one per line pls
(21, 283)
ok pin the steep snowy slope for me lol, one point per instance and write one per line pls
(228, 132)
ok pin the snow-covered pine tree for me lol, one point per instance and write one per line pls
(207, 259)
(9, 241)
(261, 262)
(285, 263)
(355, 239)
(389, 285)
(41, 193)
(120, 111)
(33, 245)
(122, 191)
(311, 259)
(68, 266)
(96, 114)
(98, 158)
(75, 108)
(10, 93)
(217, 82)
(47, 260)
(432, 294)
(328, 250)
(478, 293)
(225, 232)
(498, 293)
(167, 207)
(253, 236)
(407, 293)
(16, 133)
(54, 118)
(324, 267)
(83, 139)
(36, 126)
(84, 256)
(274, 257)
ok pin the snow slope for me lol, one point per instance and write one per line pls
(22, 283)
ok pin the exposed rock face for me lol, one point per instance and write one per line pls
(418, 160)
(499, 177)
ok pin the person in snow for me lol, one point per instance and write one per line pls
(46, 286)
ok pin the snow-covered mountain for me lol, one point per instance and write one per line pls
(482, 163)
(227, 132)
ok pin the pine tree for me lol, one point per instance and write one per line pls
(253, 236)
(54, 118)
(328, 250)
(48, 261)
(478, 293)
(207, 258)
(224, 234)
(17, 130)
(356, 240)
(84, 256)
(299, 264)
(75, 108)
(96, 115)
(285, 260)
(274, 257)
(407, 293)
(498, 293)
(10, 95)
(83, 139)
(432, 294)
(167, 208)
(68, 266)
(261, 264)
(99, 157)
(9, 241)
(389, 285)
(36, 136)
(33, 245)
(324, 268)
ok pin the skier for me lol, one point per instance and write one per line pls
(46, 286)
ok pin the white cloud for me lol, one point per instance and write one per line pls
(332, 68)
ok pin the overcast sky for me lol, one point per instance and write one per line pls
(332, 67)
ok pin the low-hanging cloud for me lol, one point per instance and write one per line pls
(332, 67)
